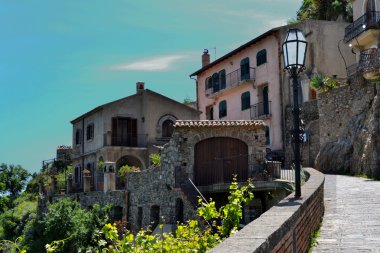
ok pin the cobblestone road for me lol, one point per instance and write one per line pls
(352, 215)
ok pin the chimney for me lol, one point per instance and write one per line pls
(205, 58)
(140, 87)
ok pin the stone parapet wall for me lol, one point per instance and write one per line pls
(286, 227)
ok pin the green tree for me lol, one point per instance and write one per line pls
(325, 10)
(12, 179)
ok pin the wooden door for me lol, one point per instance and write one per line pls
(218, 159)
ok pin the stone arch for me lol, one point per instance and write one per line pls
(163, 122)
(126, 160)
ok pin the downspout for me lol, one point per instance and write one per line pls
(282, 81)
(196, 83)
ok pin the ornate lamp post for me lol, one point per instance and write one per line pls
(294, 51)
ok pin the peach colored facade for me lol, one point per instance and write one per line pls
(265, 75)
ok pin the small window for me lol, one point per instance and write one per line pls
(78, 135)
(267, 136)
(244, 69)
(90, 131)
(208, 83)
(245, 100)
(210, 112)
(261, 57)
(222, 79)
(222, 109)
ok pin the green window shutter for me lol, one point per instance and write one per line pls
(222, 79)
(245, 100)
(244, 69)
(222, 109)
(261, 57)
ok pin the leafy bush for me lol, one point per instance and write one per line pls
(324, 83)
(155, 159)
(124, 170)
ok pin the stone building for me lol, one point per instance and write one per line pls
(248, 82)
(204, 154)
(125, 131)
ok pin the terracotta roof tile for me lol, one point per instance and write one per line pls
(218, 123)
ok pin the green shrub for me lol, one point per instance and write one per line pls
(155, 159)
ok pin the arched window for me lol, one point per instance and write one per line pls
(244, 69)
(261, 57)
(223, 109)
(167, 128)
(370, 6)
(245, 100)
(222, 79)
(267, 136)
(215, 82)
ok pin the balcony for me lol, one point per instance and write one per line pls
(370, 20)
(233, 79)
(130, 140)
(369, 63)
(261, 110)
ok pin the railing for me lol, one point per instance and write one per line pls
(233, 79)
(369, 60)
(261, 109)
(370, 20)
(131, 140)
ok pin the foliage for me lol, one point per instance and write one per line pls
(124, 170)
(13, 221)
(325, 10)
(324, 83)
(313, 241)
(66, 223)
(12, 180)
(155, 159)
(11, 246)
(188, 101)
(188, 237)
(100, 165)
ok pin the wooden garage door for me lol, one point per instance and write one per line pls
(218, 159)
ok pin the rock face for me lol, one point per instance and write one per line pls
(349, 120)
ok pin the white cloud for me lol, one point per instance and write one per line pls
(160, 63)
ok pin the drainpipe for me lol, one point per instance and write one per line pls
(282, 81)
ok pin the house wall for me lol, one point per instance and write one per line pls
(265, 75)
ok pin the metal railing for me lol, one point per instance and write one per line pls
(261, 109)
(233, 79)
(369, 60)
(370, 20)
(131, 140)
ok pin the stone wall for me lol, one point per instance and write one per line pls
(286, 227)
(310, 148)
(349, 129)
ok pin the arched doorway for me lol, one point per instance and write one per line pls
(218, 159)
(125, 160)
(179, 210)
(154, 216)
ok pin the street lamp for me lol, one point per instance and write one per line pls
(294, 51)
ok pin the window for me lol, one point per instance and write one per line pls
(244, 69)
(222, 79)
(261, 57)
(215, 82)
(124, 132)
(90, 131)
(210, 112)
(245, 100)
(78, 174)
(208, 83)
(78, 137)
(222, 109)
(167, 128)
(267, 136)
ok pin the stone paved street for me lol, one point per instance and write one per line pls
(352, 216)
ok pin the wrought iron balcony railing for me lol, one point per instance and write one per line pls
(232, 79)
(262, 109)
(369, 60)
(370, 20)
(128, 140)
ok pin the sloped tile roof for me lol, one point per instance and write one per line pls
(219, 123)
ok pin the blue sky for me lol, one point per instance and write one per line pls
(59, 59)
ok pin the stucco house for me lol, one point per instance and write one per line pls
(249, 83)
(125, 131)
